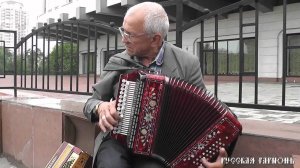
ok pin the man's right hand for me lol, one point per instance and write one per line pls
(108, 115)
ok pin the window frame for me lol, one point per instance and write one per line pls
(227, 58)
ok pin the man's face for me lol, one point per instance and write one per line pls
(135, 39)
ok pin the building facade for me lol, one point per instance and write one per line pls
(12, 17)
(270, 36)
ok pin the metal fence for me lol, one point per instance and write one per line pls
(3, 69)
(65, 56)
(240, 6)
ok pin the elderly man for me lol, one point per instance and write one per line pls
(143, 32)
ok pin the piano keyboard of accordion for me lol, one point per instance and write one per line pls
(172, 120)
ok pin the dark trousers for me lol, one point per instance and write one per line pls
(112, 154)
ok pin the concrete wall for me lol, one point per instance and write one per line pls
(31, 134)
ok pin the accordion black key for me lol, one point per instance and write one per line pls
(172, 120)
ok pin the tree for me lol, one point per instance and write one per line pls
(8, 62)
(30, 62)
(68, 57)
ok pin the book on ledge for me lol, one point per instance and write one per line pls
(70, 156)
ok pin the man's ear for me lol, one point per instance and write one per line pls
(157, 40)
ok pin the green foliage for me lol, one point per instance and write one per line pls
(67, 54)
(294, 62)
(30, 62)
(9, 68)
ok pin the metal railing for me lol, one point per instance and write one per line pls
(4, 68)
(64, 57)
(239, 6)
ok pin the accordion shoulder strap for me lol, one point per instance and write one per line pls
(121, 62)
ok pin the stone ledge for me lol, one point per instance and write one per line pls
(69, 107)
(271, 129)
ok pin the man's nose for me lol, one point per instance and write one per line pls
(124, 39)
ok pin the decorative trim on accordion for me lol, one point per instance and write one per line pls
(149, 116)
(208, 146)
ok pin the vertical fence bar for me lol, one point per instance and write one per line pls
(256, 51)
(43, 75)
(4, 66)
(36, 58)
(241, 54)
(179, 12)
(56, 58)
(95, 55)
(71, 68)
(116, 42)
(21, 72)
(77, 80)
(107, 46)
(15, 63)
(284, 53)
(62, 58)
(216, 62)
(202, 47)
(32, 61)
(48, 62)
(88, 58)
(25, 62)
(227, 59)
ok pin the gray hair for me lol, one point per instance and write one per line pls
(156, 19)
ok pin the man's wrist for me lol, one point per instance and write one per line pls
(95, 111)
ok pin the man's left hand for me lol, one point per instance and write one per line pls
(218, 163)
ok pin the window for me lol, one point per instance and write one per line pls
(233, 57)
(293, 55)
(229, 57)
(91, 62)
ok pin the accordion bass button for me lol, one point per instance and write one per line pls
(152, 103)
(144, 131)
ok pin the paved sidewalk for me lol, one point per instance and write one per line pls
(4, 163)
(7, 162)
(268, 94)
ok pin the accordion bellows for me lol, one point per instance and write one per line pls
(172, 120)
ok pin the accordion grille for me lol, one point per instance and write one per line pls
(188, 112)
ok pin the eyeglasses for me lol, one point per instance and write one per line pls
(129, 36)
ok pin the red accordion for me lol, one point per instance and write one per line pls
(172, 120)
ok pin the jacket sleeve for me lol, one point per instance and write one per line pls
(102, 91)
